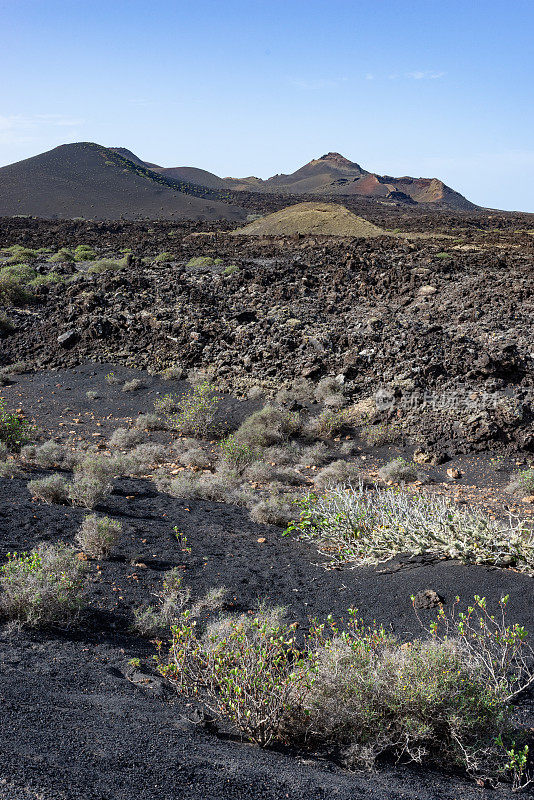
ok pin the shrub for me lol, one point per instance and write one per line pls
(328, 391)
(358, 691)
(192, 414)
(231, 269)
(88, 489)
(15, 284)
(133, 385)
(522, 483)
(268, 426)
(84, 253)
(63, 256)
(219, 488)
(372, 526)
(315, 455)
(17, 368)
(172, 601)
(146, 455)
(111, 378)
(248, 670)
(107, 265)
(273, 510)
(261, 472)
(8, 469)
(328, 424)
(424, 701)
(167, 404)
(51, 489)
(151, 422)
(92, 394)
(19, 254)
(49, 454)
(384, 433)
(285, 454)
(338, 472)
(164, 258)
(97, 535)
(400, 471)
(42, 586)
(44, 280)
(174, 373)
(196, 458)
(125, 438)
(6, 324)
(14, 431)
(237, 455)
(203, 261)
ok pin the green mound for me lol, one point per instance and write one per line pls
(325, 219)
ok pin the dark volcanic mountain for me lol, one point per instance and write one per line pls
(87, 180)
(333, 175)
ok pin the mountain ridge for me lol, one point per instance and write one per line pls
(334, 175)
(88, 180)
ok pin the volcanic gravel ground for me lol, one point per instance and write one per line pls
(79, 722)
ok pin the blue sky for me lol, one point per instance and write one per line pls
(419, 87)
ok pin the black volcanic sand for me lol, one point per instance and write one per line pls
(79, 722)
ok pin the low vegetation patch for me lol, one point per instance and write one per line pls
(268, 426)
(98, 535)
(400, 471)
(107, 265)
(192, 414)
(14, 431)
(43, 586)
(359, 692)
(352, 524)
(522, 483)
(50, 489)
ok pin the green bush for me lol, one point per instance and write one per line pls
(164, 258)
(42, 586)
(237, 455)
(84, 253)
(106, 265)
(249, 669)
(192, 414)
(63, 256)
(44, 280)
(89, 489)
(204, 261)
(328, 423)
(399, 470)
(522, 483)
(422, 700)
(14, 431)
(18, 254)
(15, 284)
(360, 693)
(6, 324)
(384, 433)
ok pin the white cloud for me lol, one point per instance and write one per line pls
(420, 75)
(20, 128)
